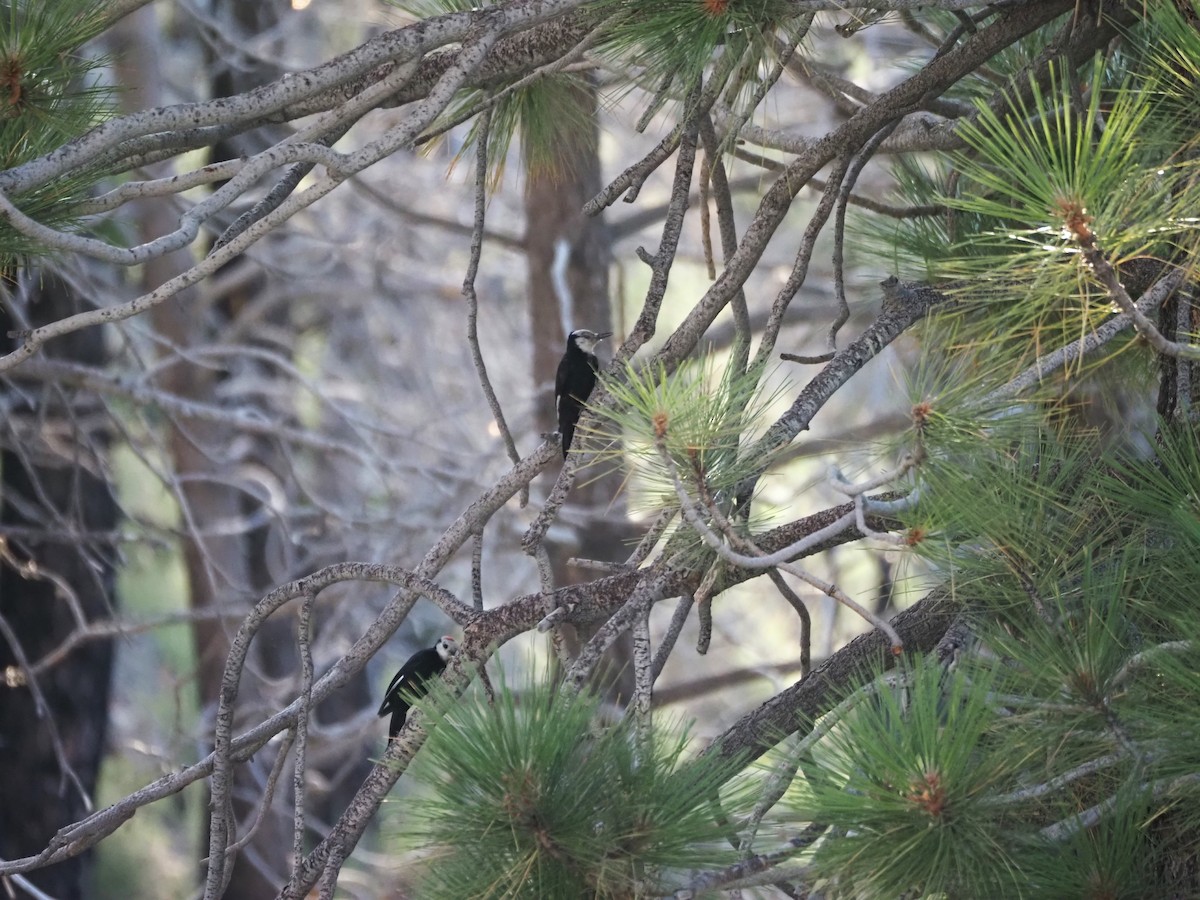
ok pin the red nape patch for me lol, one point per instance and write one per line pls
(715, 8)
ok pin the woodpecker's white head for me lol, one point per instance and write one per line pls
(587, 340)
(446, 647)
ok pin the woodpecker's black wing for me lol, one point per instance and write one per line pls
(568, 407)
(411, 681)
(573, 384)
(560, 383)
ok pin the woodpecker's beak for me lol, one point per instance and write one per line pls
(601, 335)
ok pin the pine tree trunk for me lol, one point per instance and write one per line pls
(566, 248)
(57, 517)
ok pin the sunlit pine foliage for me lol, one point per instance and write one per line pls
(532, 795)
(904, 780)
(703, 416)
(1100, 168)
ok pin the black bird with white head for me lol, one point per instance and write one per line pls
(413, 681)
(575, 380)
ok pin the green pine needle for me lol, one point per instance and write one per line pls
(904, 779)
(49, 94)
(1096, 171)
(703, 413)
(1090, 176)
(1110, 860)
(670, 44)
(530, 796)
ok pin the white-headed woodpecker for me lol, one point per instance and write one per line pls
(575, 380)
(413, 681)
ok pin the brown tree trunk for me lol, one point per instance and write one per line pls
(566, 248)
(57, 518)
(217, 549)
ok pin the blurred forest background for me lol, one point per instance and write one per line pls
(314, 399)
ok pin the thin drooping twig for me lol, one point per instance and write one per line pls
(849, 180)
(477, 570)
(667, 642)
(66, 770)
(272, 782)
(660, 262)
(797, 604)
(300, 777)
(706, 246)
(799, 272)
(704, 597)
(729, 241)
(468, 292)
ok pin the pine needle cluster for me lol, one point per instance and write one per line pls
(530, 796)
(50, 92)
(672, 43)
(695, 424)
(1105, 172)
(1060, 759)
(904, 781)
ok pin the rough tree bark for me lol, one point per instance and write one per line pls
(57, 558)
(568, 257)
